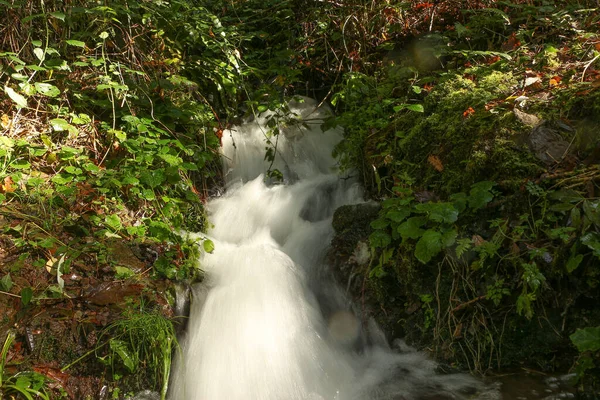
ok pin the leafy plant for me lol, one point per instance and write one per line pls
(28, 384)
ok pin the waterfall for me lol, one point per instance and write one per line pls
(267, 323)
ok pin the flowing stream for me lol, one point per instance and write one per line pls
(268, 323)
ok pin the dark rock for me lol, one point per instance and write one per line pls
(547, 144)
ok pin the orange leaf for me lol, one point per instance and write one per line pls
(436, 162)
(7, 186)
(555, 80)
(468, 112)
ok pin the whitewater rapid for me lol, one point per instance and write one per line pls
(257, 329)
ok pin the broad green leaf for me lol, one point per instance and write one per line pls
(412, 107)
(566, 196)
(415, 107)
(148, 194)
(379, 239)
(428, 246)
(125, 354)
(6, 283)
(153, 178)
(587, 339)
(480, 194)
(76, 43)
(36, 43)
(47, 243)
(16, 97)
(379, 223)
(123, 272)
(592, 211)
(27, 88)
(39, 53)
(20, 164)
(59, 124)
(73, 170)
(171, 159)
(592, 240)
(574, 262)
(47, 89)
(411, 229)
(58, 15)
(398, 215)
(449, 237)
(439, 212)
(62, 179)
(26, 295)
(208, 245)
(113, 221)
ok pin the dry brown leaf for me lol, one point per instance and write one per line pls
(436, 162)
(7, 186)
(5, 121)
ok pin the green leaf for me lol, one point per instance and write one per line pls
(480, 194)
(171, 159)
(449, 237)
(439, 212)
(62, 179)
(411, 229)
(587, 339)
(428, 246)
(16, 97)
(124, 353)
(379, 239)
(6, 283)
(103, 35)
(148, 194)
(59, 124)
(398, 215)
(592, 240)
(39, 53)
(379, 223)
(208, 245)
(574, 262)
(76, 43)
(26, 295)
(47, 89)
(20, 164)
(27, 88)
(592, 211)
(113, 221)
(153, 178)
(58, 15)
(123, 272)
(412, 107)
(415, 107)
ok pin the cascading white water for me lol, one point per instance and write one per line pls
(256, 329)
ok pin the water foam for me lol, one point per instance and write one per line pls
(260, 333)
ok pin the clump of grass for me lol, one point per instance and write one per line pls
(142, 340)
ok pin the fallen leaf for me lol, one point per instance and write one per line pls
(7, 186)
(555, 80)
(436, 162)
(5, 121)
(477, 240)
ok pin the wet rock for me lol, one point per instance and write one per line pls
(547, 144)
(107, 293)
